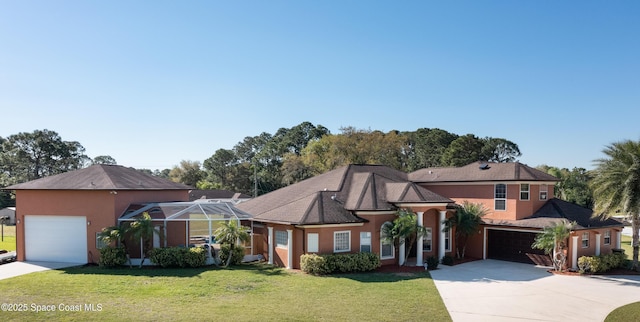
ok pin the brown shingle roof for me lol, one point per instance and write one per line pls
(511, 171)
(333, 197)
(560, 209)
(101, 177)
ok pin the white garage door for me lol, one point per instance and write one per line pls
(56, 238)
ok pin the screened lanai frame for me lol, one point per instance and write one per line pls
(201, 211)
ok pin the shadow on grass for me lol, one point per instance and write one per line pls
(380, 277)
(156, 271)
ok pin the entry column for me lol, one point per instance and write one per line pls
(441, 234)
(419, 254)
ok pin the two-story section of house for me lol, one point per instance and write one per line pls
(520, 203)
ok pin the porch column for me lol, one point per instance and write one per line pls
(270, 242)
(618, 239)
(419, 254)
(598, 244)
(441, 234)
(401, 252)
(289, 248)
(574, 252)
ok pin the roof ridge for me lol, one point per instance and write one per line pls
(108, 176)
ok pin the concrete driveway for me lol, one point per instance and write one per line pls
(491, 290)
(21, 268)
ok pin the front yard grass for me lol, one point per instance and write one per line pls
(245, 293)
(629, 312)
(9, 242)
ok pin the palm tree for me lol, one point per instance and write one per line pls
(143, 229)
(616, 186)
(466, 221)
(230, 233)
(553, 240)
(404, 229)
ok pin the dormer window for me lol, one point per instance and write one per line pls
(500, 197)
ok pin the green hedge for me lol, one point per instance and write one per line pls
(112, 256)
(338, 263)
(238, 254)
(178, 256)
(432, 262)
(601, 264)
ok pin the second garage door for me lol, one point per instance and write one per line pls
(514, 246)
(56, 239)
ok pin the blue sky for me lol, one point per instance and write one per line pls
(155, 82)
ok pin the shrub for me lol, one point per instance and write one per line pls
(338, 263)
(601, 264)
(447, 260)
(238, 254)
(178, 256)
(112, 256)
(432, 262)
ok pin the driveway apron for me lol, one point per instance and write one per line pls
(492, 290)
(14, 269)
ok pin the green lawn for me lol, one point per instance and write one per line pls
(9, 242)
(247, 293)
(629, 312)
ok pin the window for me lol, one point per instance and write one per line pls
(543, 192)
(365, 242)
(500, 196)
(99, 242)
(447, 240)
(585, 240)
(386, 247)
(312, 243)
(524, 191)
(427, 241)
(341, 241)
(607, 237)
(282, 240)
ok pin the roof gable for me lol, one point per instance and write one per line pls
(560, 209)
(101, 177)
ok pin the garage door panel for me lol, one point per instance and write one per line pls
(514, 246)
(56, 238)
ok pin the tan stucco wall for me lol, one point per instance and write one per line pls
(101, 208)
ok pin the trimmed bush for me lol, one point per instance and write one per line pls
(447, 260)
(112, 256)
(432, 262)
(238, 254)
(338, 263)
(178, 256)
(601, 264)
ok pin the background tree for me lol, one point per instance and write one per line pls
(424, 148)
(462, 151)
(574, 185)
(465, 221)
(553, 240)
(403, 231)
(188, 172)
(616, 186)
(104, 159)
(29, 156)
(499, 150)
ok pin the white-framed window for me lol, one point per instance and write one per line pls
(342, 241)
(312, 243)
(365, 242)
(99, 242)
(427, 241)
(607, 237)
(387, 250)
(282, 239)
(524, 191)
(447, 240)
(500, 197)
(585, 239)
(543, 191)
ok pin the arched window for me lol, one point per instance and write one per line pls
(387, 250)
